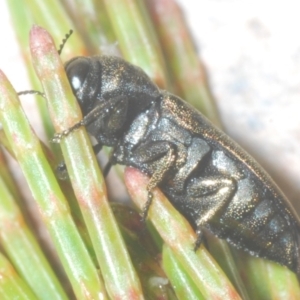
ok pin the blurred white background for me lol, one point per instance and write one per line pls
(251, 50)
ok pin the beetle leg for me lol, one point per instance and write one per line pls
(100, 111)
(97, 148)
(161, 156)
(199, 239)
(61, 169)
(213, 193)
(107, 168)
(108, 165)
(156, 178)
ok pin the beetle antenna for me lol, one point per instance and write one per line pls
(31, 92)
(61, 46)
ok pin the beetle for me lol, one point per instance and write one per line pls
(210, 179)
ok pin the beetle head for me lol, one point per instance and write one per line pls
(85, 77)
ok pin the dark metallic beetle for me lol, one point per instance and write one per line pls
(208, 177)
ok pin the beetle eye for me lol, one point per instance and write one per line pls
(77, 70)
